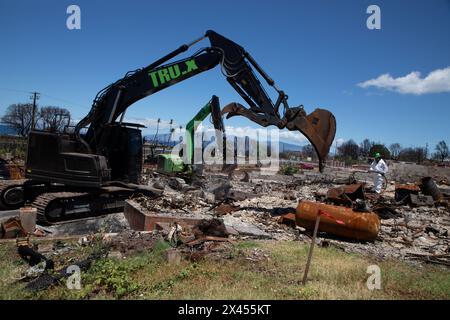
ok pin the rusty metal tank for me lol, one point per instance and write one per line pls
(357, 225)
(430, 188)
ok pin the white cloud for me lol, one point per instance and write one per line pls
(339, 141)
(436, 81)
(293, 136)
(284, 135)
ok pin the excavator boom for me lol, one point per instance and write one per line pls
(237, 65)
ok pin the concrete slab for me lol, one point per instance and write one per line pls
(6, 214)
(235, 225)
(140, 219)
(115, 222)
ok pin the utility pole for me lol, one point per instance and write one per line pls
(155, 142)
(35, 96)
(335, 150)
(168, 138)
(170, 131)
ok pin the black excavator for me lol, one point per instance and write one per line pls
(93, 169)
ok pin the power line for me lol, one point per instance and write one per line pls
(9, 89)
(65, 101)
(70, 103)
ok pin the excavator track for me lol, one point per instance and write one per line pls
(11, 193)
(15, 193)
(57, 207)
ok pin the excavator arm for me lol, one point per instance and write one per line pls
(236, 64)
(211, 108)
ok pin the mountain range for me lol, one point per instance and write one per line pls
(164, 138)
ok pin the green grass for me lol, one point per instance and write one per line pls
(333, 275)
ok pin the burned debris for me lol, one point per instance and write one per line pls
(207, 221)
(284, 208)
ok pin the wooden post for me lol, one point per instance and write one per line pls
(311, 248)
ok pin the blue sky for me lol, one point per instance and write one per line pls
(316, 51)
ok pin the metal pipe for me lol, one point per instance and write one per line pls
(196, 41)
(122, 116)
(174, 53)
(113, 111)
(260, 70)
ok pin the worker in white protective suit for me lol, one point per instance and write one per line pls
(380, 168)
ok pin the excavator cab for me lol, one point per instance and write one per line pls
(124, 153)
(56, 157)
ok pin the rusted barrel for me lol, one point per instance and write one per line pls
(357, 225)
(430, 188)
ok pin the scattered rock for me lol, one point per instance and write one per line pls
(243, 228)
(133, 241)
(225, 208)
(176, 183)
(211, 227)
(173, 256)
(115, 255)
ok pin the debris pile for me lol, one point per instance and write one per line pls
(127, 242)
(173, 203)
(411, 220)
(266, 207)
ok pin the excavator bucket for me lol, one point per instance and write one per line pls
(319, 127)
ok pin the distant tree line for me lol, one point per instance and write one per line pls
(350, 151)
(48, 118)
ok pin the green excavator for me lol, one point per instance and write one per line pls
(174, 164)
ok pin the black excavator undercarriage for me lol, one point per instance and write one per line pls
(58, 202)
(75, 175)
